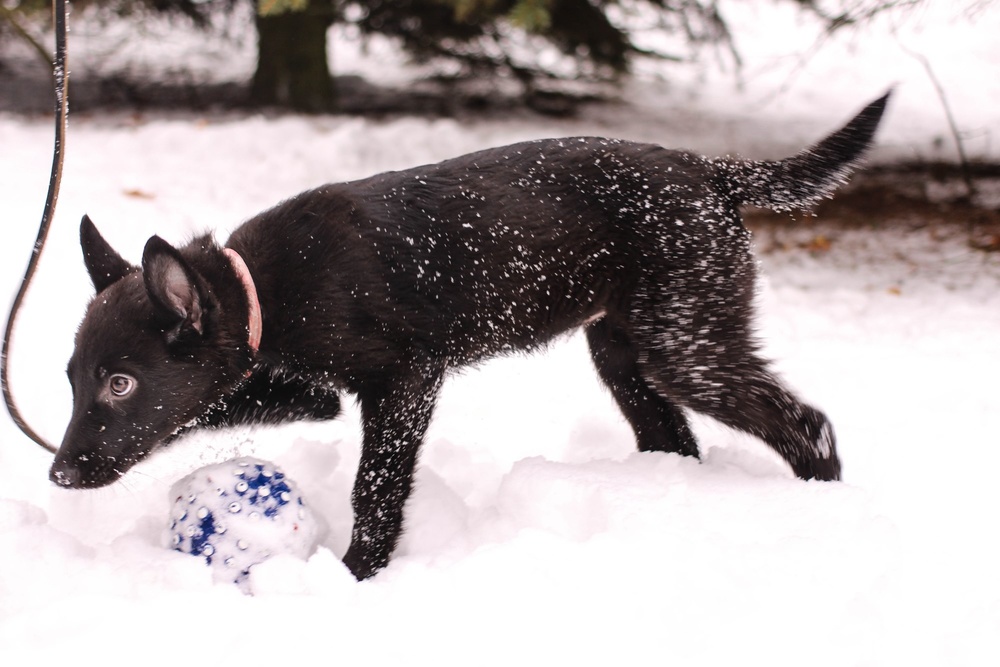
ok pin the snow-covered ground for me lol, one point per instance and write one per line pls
(536, 534)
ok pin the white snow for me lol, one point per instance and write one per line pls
(536, 533)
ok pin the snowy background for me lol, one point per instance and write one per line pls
(536, 532)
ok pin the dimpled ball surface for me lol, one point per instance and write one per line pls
(238, 514)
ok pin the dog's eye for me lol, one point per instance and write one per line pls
(121, 385)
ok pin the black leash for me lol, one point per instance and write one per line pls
(60, 76)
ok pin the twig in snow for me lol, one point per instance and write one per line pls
(963, 159)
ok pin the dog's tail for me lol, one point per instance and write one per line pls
(803, 180)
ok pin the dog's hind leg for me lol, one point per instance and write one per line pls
(395, 415)
(702, 355)
(659, 425)
(748, 397)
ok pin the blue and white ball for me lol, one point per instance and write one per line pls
(238, 514)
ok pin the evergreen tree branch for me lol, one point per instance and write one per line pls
(9, 16)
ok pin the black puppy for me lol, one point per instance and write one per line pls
(378, 287)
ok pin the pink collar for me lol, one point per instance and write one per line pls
(256, 321)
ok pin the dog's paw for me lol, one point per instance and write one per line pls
(822, 469)
(817, 457)
(238, 514)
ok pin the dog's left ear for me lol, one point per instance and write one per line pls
(174, 288)
(104, 265)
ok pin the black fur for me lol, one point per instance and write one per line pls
(379, 287)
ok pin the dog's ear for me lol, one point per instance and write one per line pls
(174, 288)
(104, 265)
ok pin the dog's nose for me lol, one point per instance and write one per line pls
(65, 474)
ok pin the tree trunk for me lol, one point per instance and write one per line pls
(292, 68)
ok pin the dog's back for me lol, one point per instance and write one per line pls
(504, 248)
(497, 250)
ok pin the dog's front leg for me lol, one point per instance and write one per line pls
(395, 415)
(274, 396)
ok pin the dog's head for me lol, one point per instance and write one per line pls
(153, 354)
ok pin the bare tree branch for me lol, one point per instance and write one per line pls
(970, 185)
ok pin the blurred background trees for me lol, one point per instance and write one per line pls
(482, 37)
